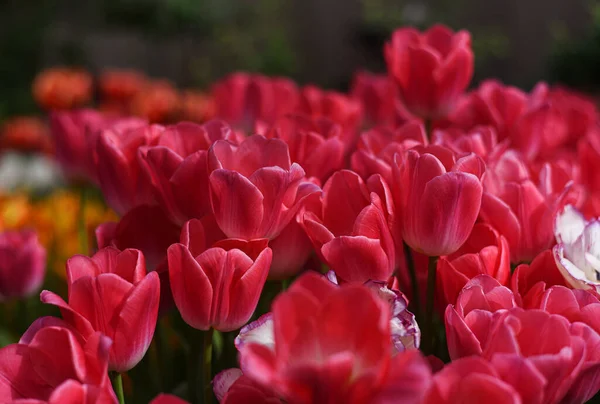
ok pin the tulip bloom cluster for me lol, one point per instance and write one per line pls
(442, 245)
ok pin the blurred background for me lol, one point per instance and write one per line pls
(194, 42)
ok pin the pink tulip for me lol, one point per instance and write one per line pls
(22, 264)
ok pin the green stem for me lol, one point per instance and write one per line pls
(285, 283)
(428, 332)
(200, 370)
(82, 225)
(117, 381)
(207, 349)
(410, 264)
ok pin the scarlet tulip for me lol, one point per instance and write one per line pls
(53, 364)
(111, 293)
(431, 69)
(217, 286)
(320, 352)
(314, 143)
(158, 102)
(177, 167)
(486, 322)
(253, 187)
(25, 134)
(350, 230)
(472, 379)
(338, 107)
(22, 264)
(376, 148)
(481, 140)
(377, 95)
(122, 181)
(522, 212)
(244, 99)
(232, 387)
(492, 104)
(484, 252)
(405, 332)
(537, 276)
(439, 197)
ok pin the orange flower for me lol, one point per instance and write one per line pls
(62, 88)
(158, 102)
(121, 85)
(25, 133)
(197, 106)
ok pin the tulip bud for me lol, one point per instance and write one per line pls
(22, 264)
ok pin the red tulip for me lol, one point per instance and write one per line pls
(431, 69)
(111, 293)
(177, 168)
(232, 387)
(122, 181)
(22, 264)
(158, 102)
(492, 104)
(244, 99)
(438, 196)
(167, 399)
(338, 107)
(589, 157)
(484, 252)
(53, 364)
(376, 148)
(377, 95)
(314, 143)
(481, 140)
(253, 187)
(350, 230)
(542, 270)
(523, 214)
(217, 286)
(332, 344)
(471, 380)
(562, 363)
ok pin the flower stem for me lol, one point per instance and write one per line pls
(410, 264)
(428, 332)
(117, 381)
(199, 372)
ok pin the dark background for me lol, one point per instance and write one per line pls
(194, 42)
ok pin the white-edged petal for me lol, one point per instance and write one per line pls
(568, 225)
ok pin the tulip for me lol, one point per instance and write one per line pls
(244, 99)
(158, 102)
(232, 387)
(522, 212)
(536, 277)
(431, 69)
(314, 143)
(484, 252)
(319, 352)
(338, 107)
(472, 379)
(22, 264)
(376, 148)
(51, 363)
(439, 197)
(177, 168)
(25, 134)
(122, 181)
(577, 253)
(253, 187)
(62, 88)
(405, 332)
(112, 293)
(216, 286)
(350, 230)
(563, 364)
(492, 104)
(481, 140)
(167, 399)
(377, 95)
(121, 85)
